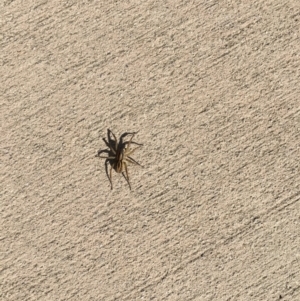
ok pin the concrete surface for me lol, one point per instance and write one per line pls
(213, 88)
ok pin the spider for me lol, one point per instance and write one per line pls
(118, 154)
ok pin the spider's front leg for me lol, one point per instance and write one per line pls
(102, 151)
(128, 143)
(124, 135)
(111, 148)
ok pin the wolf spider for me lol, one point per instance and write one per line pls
(118, 154)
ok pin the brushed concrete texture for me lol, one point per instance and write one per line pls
(213, 88)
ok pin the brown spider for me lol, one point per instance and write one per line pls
(118, 154)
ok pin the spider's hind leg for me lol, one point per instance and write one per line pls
(131, 160)
(127, 176)
(110, 172)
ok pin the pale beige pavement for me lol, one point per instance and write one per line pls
(213, 88)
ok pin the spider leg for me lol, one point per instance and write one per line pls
(131, 151)
(127, 133)
(129, 142)
(131, 139)
(127, 176)
(105, 151)
(102, 151)
(131, 160)
(110, 178)
(110, 174)
(106, 171)
(108, 144)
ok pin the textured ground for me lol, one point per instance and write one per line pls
(213, 87)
